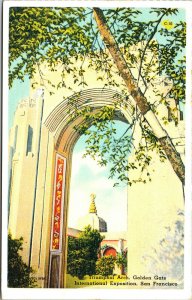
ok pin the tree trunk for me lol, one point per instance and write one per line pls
(141, 101)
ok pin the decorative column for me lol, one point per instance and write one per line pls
(57, 222)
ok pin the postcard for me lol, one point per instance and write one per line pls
(96, 150)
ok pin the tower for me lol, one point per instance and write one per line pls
(92, 218)
(92, 207)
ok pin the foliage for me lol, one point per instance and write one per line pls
(19, 274)
(50, 34)
(168, 257)
(83, 253)
(121, 260)
(105, 265)
(155, 56)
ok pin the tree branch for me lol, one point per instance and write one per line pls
(139, 98)
(120, 61)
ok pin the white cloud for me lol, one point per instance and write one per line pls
(111, 202)
(88, 162)
(87, 178)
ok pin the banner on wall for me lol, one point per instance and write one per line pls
(58, 203)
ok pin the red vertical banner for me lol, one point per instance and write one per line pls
(58, 203)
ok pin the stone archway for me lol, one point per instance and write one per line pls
(58, 122)
(61, 127)
(33, 184)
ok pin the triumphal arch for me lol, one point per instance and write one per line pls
(40, 154)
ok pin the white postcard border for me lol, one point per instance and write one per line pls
(9, 293)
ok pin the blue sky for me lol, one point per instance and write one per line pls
(20, 90)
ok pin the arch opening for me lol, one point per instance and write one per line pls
(65, 137)
(107, 212)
